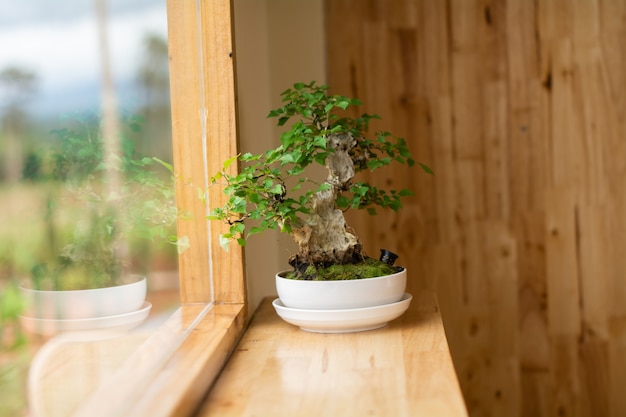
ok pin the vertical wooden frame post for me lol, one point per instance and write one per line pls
(202, 83)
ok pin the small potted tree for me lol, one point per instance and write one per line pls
(82, 278)
(276, 190)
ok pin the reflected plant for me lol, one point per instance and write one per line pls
(105, 225)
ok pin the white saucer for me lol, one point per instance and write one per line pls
(119, 323)
(343, 321)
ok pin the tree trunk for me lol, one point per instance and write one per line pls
(326, 238)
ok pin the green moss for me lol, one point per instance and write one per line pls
(369, 268)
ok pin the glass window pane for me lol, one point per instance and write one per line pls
(74, 218)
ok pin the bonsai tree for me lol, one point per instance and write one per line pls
(93, 231)
(275, 190)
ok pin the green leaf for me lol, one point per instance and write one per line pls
(247, 157)
(255, 230)
(238, 227)
(395, 205)
(268, 183)
(229, 161)
(239, 204)
(277, 189)
(343, 202)
(287, 159)
(216, 177)
(182, 244)
(343, 104)
(225, 241)
(169, 167)
(287, 139)
(320, 157)
(374, 164)
(426, 168)
(405, 192)
(295, 171)
(319, 142)
(255, 198)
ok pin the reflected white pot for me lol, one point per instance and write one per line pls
(85, 304)
(340, 295)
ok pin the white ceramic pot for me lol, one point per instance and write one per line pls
(85, 304)
(340, 295)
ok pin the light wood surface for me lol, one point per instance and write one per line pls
(404, 369)
(204, 129)
(519, 108)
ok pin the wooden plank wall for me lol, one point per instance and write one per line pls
(520, 109)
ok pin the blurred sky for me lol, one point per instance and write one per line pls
(57, 39)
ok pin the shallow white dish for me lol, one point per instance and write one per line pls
(343, 321)
(118, 323)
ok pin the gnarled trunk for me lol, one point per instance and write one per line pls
(325, 238)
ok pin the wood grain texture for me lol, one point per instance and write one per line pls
(519, 108)
(202, 85)
(404, 369)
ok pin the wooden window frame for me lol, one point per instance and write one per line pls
(204, 127)
(174, 368)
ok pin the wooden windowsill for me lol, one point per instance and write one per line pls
(404, 369)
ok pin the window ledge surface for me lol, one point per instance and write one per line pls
(404, 369)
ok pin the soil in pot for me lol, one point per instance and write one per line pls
(369, 268)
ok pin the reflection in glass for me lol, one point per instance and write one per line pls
(86, 192)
